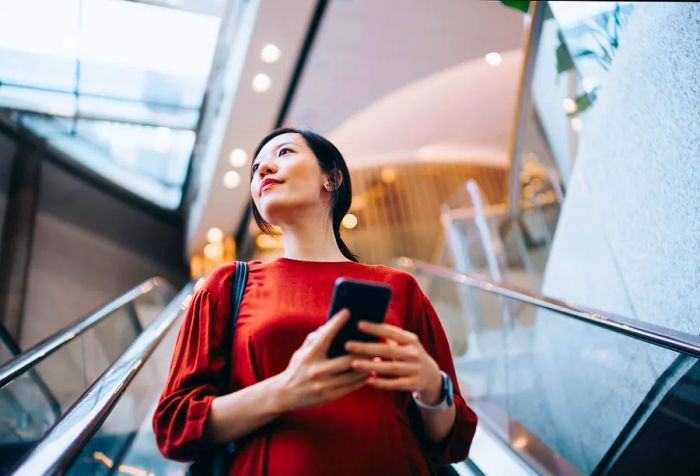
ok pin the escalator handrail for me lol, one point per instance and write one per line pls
(35, 354)
(674, 340)
(59, 447)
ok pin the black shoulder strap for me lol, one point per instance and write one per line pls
(237, 288)
(240, 278)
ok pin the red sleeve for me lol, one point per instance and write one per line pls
(455, 447)
(193, 380)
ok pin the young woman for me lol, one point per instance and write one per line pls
(392, 407)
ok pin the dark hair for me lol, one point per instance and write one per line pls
(332, 163)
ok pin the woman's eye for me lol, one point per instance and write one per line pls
(255, 167)
(284, 149)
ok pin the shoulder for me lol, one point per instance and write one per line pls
(218, 282)
(398, 279)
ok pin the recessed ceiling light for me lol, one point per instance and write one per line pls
(214, 235)
(520, 442)
(349, 221)
(270, 53)
(569, 105)
(213, 250)
(388, 175)
(576, 124)
(238, 157)
(493, 58)
(232, 179)
(261, 83)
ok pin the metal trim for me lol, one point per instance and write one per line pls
(56, 451)
(676, 341)
(532, 42)
(48, 346)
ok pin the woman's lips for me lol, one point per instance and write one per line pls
(267, 184)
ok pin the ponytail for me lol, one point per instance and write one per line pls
(341, 244)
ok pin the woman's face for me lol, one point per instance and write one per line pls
(287, 179)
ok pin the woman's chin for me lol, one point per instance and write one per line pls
(274, 211)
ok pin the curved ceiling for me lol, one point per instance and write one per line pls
(367, 49)
(463, 113)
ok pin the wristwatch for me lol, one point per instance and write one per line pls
(446, 396)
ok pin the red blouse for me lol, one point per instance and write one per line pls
(366, 432)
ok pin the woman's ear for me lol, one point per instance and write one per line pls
(334, 181)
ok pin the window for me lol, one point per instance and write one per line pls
(117, 85)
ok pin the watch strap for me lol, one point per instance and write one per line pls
(446, 394)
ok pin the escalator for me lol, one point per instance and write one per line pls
(39, 385)
(528, 383)
(513, 387)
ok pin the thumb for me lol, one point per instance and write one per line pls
(330, 329)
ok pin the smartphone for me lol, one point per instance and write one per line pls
(366, 300)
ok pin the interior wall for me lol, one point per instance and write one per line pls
(628, 240)
(7, 152)
(89, 246)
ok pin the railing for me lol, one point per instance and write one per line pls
(36, 378)
(32, 356)
(661, 336)
(532, 40)
(55, 452)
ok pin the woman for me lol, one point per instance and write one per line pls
(385, 408)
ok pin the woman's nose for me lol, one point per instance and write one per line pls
(266, 168)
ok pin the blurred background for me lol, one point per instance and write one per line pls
(533, 164)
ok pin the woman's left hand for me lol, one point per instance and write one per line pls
(402, 363)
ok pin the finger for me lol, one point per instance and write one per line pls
(332, 366)
(341, 391)
(403, 383)
(385, 368)
(383, 350)
(348, 378)
(329, 330)
(311, 338)
(388, 331)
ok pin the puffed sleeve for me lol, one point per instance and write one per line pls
(455, 446)
(195, 375)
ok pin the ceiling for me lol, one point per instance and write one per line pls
(366, 50)
(207, 7)
(371, 62)
(460, 114)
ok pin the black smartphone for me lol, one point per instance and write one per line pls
(366, 300)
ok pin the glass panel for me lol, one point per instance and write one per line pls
(577, 46)
(123, 82)
(38, 50)
(32, 402)
(5, 353)
(154, 62)
(485, 239)
(591, 33)
(126, 440)
(570, 397)
(150, 161)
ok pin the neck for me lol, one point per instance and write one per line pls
(311, 240)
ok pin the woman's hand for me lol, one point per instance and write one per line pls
(311, 378)
(402, 363)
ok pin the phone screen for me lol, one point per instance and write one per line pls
(366, 300)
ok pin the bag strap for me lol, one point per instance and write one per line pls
(240, 278)
(239, 282)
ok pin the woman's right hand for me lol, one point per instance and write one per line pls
(312, 379)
